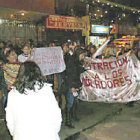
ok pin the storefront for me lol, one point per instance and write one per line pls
(126, 42)
(60, 29)
(99, 33)
(19, 20)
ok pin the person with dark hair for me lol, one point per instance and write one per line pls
(26, 55)
(32, 112)
(136, 48)
(73, 70)
(3, 92)
(2, 44)
(134, 52)
(11, 66)
(138, 54)
(92, 50)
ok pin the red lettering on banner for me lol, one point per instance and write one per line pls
(105, 64)
(129, 80)
(110, 86)
(93, 64)
(110, 65)
(122, 81)
(116, 64)
(99, 65)
(125, 60)
(106, 77)
(120, 62)
(87, 82)
(114, 74)
(120, 72)
(97, 84)
(103, 84)
(116, 83)
(89, 66)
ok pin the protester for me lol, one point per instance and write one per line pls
(98, 53)
(26, 55)
(52, 44)
(2, 45)
(110, 51)
(92, 50)
(11, 67)
(138, 53)
(134, 52)
(73, 70)
(69, 61)
(32, 112)
(3, 92)
(63, 88)
(136, 49)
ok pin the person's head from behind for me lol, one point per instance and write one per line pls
(29, 77)
(80, 54)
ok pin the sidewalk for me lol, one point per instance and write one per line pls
(123, 126)
(90, 114)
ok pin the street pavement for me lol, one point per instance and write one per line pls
(90, 114)
(124, 125)
(99, 121)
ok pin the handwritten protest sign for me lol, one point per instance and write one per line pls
(50, 60)
(110, 80)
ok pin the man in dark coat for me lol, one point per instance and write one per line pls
(74, 67)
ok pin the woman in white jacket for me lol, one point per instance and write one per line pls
(32, 112)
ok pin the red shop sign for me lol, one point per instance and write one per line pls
(65, 22)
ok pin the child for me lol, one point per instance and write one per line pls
(26, 55)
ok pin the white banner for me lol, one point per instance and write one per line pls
(50, 60)
(110, 80)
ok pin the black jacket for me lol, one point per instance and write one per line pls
(73, 70)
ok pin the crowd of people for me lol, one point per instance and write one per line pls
(19, 71)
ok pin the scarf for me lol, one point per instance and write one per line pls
(10, 73)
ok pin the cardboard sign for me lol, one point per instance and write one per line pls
(50, 60)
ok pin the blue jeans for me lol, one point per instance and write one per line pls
(69, 99)
(3, 102)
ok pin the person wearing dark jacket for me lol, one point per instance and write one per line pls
(3, 92)
(74, 67)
